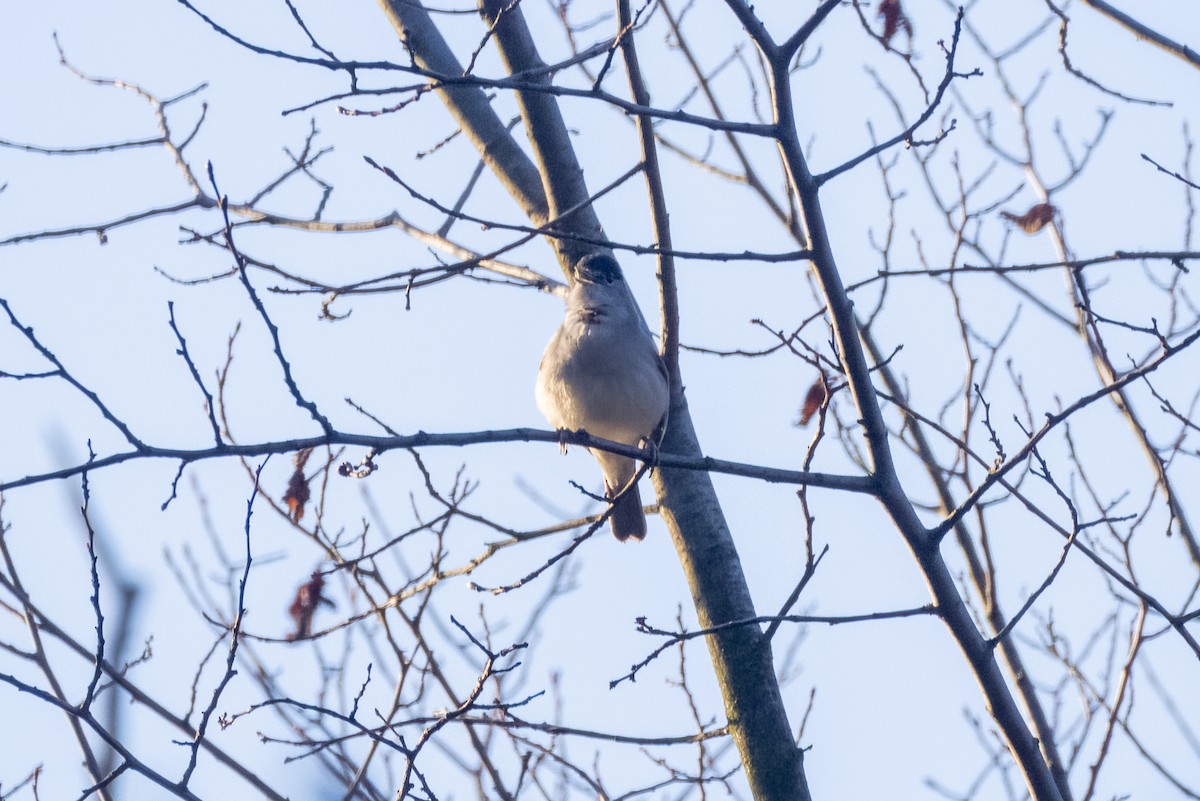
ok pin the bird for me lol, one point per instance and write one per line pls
(601, 373)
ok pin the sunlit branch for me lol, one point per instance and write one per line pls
(906, 135)
(674, 638)
(1144, 32)
(423, 440)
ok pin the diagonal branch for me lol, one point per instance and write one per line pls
(62, 372)
(470, 107)
(1143, 32)
(906, 135)
(561, 176)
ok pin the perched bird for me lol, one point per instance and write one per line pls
(602, 373)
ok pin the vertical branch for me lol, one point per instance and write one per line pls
(301, 401)
(187, 358)
(751, 175)
(981, 578)
(33, 623)
(562, 177)
(668, 288)
(741, 655)
(1083, 324)
(1108, 374)
(470, 107)
(235, 635)
(93, 567)
(1123, 688)
(939, 580)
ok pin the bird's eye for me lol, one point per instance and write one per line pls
(599, 268)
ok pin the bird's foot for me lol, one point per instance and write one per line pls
(651, 448)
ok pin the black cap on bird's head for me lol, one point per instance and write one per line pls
(598, 268)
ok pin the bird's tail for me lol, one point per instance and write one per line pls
(627, 519)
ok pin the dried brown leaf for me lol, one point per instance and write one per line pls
(297, 494)
(812, 400)
(1034, 220)
(304, 605)
(894, 21)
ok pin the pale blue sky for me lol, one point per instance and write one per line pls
(890, 696)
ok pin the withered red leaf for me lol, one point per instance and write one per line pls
(304, 605)
(813, 400)
(1034, 220)
(297, 494)
(894, 20)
